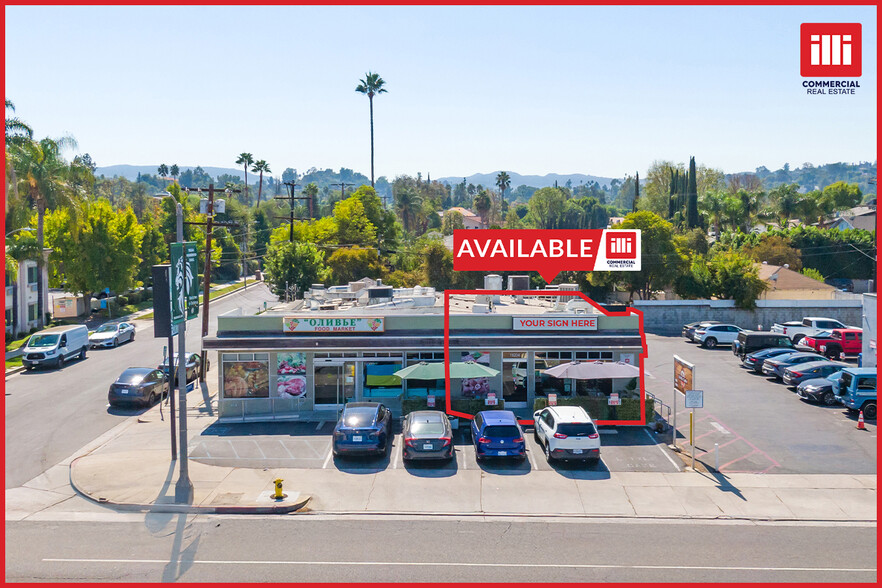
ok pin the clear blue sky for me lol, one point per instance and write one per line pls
(597, 90)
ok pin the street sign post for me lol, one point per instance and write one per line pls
(694, 399)
(684, 377)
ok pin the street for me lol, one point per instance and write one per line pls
(52, 413)
(312, 548)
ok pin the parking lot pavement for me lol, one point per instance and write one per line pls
(308, 446)
(753, 424)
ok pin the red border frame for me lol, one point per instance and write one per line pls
(629, 312)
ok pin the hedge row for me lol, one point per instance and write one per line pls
(599, 409)
(466, 405)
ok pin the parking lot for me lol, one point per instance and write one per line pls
(308, 445)
(753, 424)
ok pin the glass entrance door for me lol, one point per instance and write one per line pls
(334, 385)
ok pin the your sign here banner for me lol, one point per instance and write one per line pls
(563, 323)
(548, 252)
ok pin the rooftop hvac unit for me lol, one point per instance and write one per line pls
(493, 282)
(519, 283)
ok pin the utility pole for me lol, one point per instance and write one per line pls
(245, 261)
(183, 487)
(343, 185)
(291, 186)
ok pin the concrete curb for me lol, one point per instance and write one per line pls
(163, 507)
(14, 371)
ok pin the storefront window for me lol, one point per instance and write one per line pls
(425, 387)
(475, 387)
(514, 376)
(291, 375)
(246, 375)
(380, 381)
(546, 385)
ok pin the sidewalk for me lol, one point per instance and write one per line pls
(122, 472)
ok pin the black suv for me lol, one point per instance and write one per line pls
(750, 341)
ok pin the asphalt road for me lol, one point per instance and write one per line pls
(753, 424)
(52, 413)
(169, 548)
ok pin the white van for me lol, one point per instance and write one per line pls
(56, 345)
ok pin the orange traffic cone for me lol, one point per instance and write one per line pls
(860, 424)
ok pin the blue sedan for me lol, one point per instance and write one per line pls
(364, 428)
(754, 361)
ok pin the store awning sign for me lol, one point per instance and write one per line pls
(311, 324)
(560, 323)
(548, 252)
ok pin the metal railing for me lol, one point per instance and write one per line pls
(662, 410)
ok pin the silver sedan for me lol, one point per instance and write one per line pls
(112, 334)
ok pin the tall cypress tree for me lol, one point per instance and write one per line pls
(692, 210)
(672, 192)
(636, 193)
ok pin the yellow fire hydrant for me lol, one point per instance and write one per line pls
(279, 495)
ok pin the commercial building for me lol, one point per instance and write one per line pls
(868, 324)
(305, 360)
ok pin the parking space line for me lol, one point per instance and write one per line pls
(739, 438)
(319, 426)
(328, 459)
(720, 428)
(660, 448)
(395, 455)
(738, 459)
(530, 453)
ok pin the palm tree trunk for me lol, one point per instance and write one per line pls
(41, 213)
(246, 184)
(371, 100)
(260, 188)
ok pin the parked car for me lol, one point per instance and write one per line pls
(796, 374)
(689, 328)
(754, 361)
(750, 341)
(363, 428)
(427, 435)
(54, 346)
(856, 389)
(138, 385)
(836, 342)
(775, 367)
(497, 433)
(820, 389)
(712, 335)
(808, 326)
(194, 360)
(567, 433)
(112, 334)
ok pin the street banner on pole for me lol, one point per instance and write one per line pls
(192, 278)
(184, 282)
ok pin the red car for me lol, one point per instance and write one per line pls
(832, 343)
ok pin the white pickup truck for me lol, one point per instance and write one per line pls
(807, 327)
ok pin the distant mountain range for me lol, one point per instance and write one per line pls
(130, 172)
(489, 180)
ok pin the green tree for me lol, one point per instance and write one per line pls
(438, 266)
(452, 221)
(42, 174)
(547, 206)
(260, 166)
(842, 195)
(371, 85)
(353, 225)
(408, 204)
(482, 205)
(162, 170)
(661, 262)
(245, 160)
(311, 189)
(382, 219)
(785, 199)
(348, 264)
(103, 252)
(736, 277)
(503, 182)
(713, 205)
(812, 273)
(16, 129)
(152, 251)
(295, 264)
(692, 196)
(174, 171)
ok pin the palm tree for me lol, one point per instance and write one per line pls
(43, 177)
(713, 204)
(260, 166)
(407, 204)
(482, 204)
(371, 85)
(503, 180)
(174, 171)
(16, 129)
(245, 159)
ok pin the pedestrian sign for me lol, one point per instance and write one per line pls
(184, 282)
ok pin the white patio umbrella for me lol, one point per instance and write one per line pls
(435, 371)
(593, 370)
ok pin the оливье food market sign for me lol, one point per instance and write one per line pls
(546, 251)
(301, 324)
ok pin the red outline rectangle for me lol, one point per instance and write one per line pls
(629, 312)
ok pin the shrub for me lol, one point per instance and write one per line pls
(473, 405)
(599, 409)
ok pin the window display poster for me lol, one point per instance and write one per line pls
(246, 379)
(291, 376)
(476, 387)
